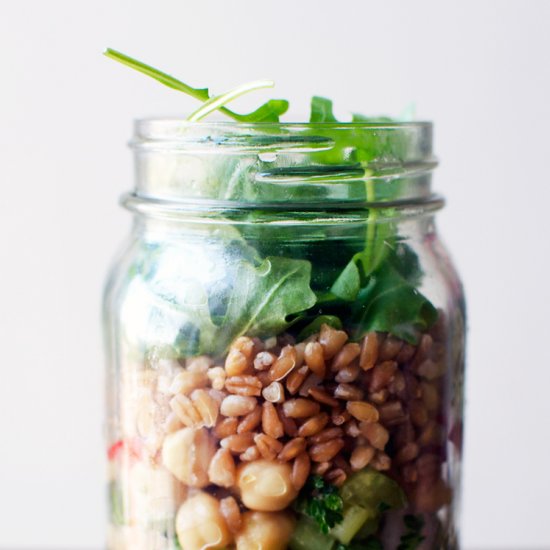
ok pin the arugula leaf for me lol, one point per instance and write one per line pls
(321, 110)
(267, 295)
(261, 303)
(389, 303)
(268, 112)
(226, 291)
(321, 502)
(347, 285)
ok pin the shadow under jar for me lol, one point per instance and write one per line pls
(285, 343)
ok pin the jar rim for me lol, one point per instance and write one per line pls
(326, 163)
(146, 124)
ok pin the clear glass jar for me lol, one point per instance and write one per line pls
(285, 342)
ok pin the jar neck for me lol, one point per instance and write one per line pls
(184, 166)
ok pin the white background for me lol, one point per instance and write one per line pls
(480, 70)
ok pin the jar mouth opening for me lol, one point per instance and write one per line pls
(284, 163)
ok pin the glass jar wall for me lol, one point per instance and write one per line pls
(285, 342)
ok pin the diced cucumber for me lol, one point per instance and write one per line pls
(307, 536)
(354, 518)
(371, 489)
(368, 528)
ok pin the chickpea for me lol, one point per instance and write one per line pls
(266, 486)
(187, 454)
(265, 531)
(200, 524)
(154, 493)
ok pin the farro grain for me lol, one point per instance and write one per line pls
(217, 376)
(237, 405)
(321, 468)
(264, 360)
(300, 470)
(407, 453)
(332, 340)
(296, 379)
(236, 363)
(231, 513)
(405, 354)
(268, 446)
(274, 393)
(314, 358)
(284, 364)
(200, 364)
(381, 375)
(430, 397)
(392, 413)
(349, 392)
(183, 407)
(369, 351)
(324, 452)
(336, 477)
(418, 413)
(379, 397)
(238, 443)
(352, 429)
(363, 411)
(300, 349)
(245, 345)
(185, 382)
(339, 416)
(431, 434)
(312, 381)
(251, 421)
(292, 449)
(361, 456)
(325, 435)
(207, 407)
(430, 370)
(226, 427)
(221, 470)
(313, 425)
(250, 454)
(381, 462)
(247, 385)
(345, 356)
(389, 348)
(377, 435)
(271, 423)
(300, 408)
(323, 397)
(289, 425)
(347, 374)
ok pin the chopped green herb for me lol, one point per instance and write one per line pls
(321, 502)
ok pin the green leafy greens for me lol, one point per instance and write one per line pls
(268, 112)
(366, 283)
(321, 502)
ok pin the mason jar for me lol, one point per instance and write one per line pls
(285, 342)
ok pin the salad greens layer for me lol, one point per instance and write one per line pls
(367, 283)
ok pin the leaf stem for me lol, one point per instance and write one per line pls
(371, 220)
(217, 102)
(270, 111)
